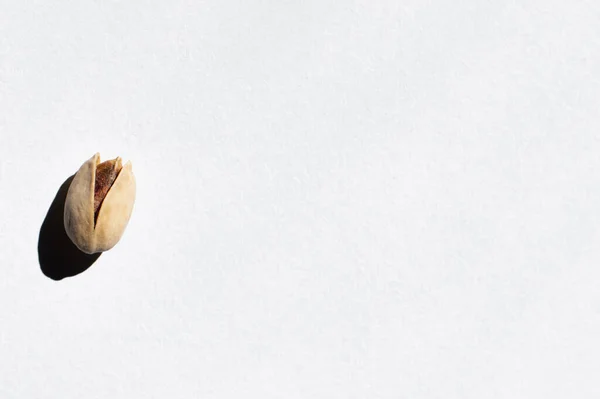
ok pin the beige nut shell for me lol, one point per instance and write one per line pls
(113, 215)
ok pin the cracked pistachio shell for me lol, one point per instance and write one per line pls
(99, 204)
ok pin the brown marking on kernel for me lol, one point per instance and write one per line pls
(106, 174)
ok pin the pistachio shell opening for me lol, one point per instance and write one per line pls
(106, 174)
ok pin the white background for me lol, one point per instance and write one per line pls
(336, 199)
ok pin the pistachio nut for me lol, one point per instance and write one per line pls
(99, 204)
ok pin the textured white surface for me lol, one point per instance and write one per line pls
(336, 199)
